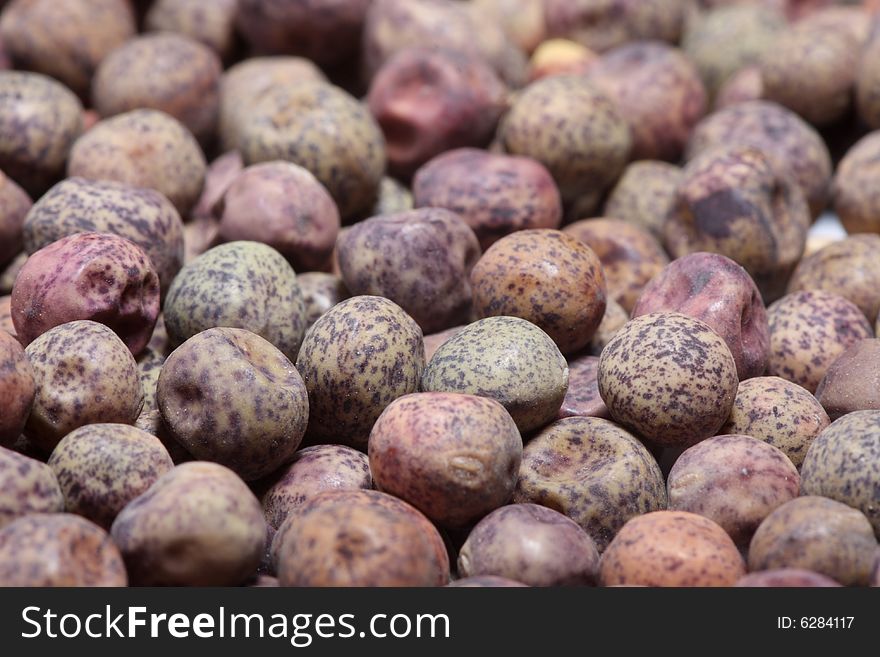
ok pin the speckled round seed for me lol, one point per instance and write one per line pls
(855, 196)
(849, 267)
(735, 480)
(58, 549)
(215, 28)
(26, 486)
(495, 194)
(630, 255)
(229, 396)
(728, 38)
(84, 374)
(97, 276)
(359, 538)
(17, 388)
(809, 54)
(671, 548)
(658, 91)
(669, 377)
(817, 534)
(508, 359)
(718, 291)
(536, 545)
(485, 581)
(102, 467)
(843, 464)
(143, 148)
(246, 285)
(323, 129)
(39, 121)
(780, 133)
(312, 471)
(163, 71)
(282, 205)
(197, 525)
(144, 216)
(808, 331)
(248, 80)
(432, 100)
(779, 412)
(738, 201)
(594, 472)
(571, 128)
(14, 206)
(419, 259)
(66, 40)
(644, 195)
(361, 355)
(320, 291)
(582, 398)
(547, 277)
(454, 457)
(786, 578)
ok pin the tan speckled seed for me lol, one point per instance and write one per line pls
(571, 128)
(359, 538)
(243, 285)
(312, 471)
(229, 396)
(84, 374)
(856, 198)
(547, 277)
(454, 457)
(849, 267)
(361, 355)
(214, 27)
(644, 194)
(198, 525)
(843, 464)
(671, 548)
(779, 412)
(164, 71)
(735, 480)
(816, 534)
(737, 200)
(39, 121)
(102, 467)
(669, 377)
(630, 255)
(26, 486)
(792, 142)
(143, 148)
(808, 331)
(144, 216)
(594, 472)
(508, 359)
(58, 549)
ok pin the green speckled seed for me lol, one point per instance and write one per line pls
(508, 359)
(245, 285)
